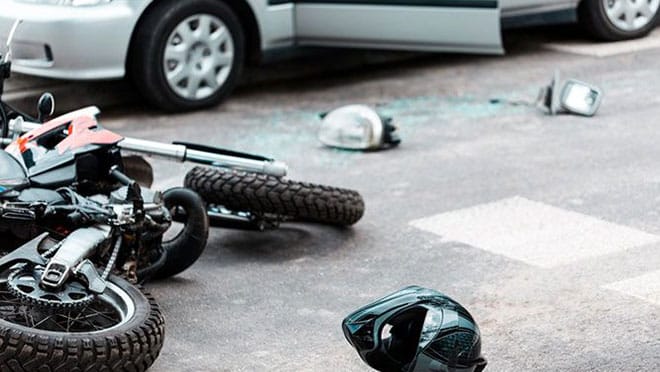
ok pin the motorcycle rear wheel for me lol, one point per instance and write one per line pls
(264, 194)
(28, 341)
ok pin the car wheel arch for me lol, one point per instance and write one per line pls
(243, 11)
(251, 29)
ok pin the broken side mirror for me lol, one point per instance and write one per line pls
(45, 107)
(580, 98)
(572, 96)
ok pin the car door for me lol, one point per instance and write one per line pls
(471, 26)
(518, 4)
(516, 7)
(531, 7)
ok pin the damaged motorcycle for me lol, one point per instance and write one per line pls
(82, 228)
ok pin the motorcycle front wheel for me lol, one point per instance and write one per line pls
(188, 242)
(264, 194)
(121, 329)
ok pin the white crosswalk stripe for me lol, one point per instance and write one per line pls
(533, 232)
(590, 48)
(645, 287)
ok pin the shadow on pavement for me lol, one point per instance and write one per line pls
(287, 243)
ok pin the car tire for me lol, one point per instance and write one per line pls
(598, 19)
(187, 55)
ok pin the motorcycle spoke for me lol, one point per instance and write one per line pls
(94, 317)
(56, 323)
(96, 314)
(42, 321)
(10, 302)
(25, 315)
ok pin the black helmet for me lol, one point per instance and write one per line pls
(428, 331)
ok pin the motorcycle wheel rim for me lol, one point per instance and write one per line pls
(109, 310)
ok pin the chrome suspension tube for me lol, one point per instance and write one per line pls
(163, 150)
(273, 168)
(182, 153)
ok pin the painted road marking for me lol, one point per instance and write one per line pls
(596, 49)
(645, 287)
(533, 232)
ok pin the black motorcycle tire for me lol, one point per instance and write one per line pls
(132, 345)
(261, 194)
(185, 248)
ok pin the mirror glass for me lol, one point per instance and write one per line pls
(580, 98)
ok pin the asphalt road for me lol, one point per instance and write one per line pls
(545, 228)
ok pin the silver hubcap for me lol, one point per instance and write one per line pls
(631, 15)
(198, 56)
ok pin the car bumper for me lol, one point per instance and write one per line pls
(78, 43)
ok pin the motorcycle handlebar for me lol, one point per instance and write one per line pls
(10, 38)
(5, 62)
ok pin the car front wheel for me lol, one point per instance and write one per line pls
(187, 54)
(614, 20)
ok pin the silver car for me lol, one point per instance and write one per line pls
(189, 54)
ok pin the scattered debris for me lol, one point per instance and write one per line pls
(357, 127)
(571, 96)
(501, 101)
